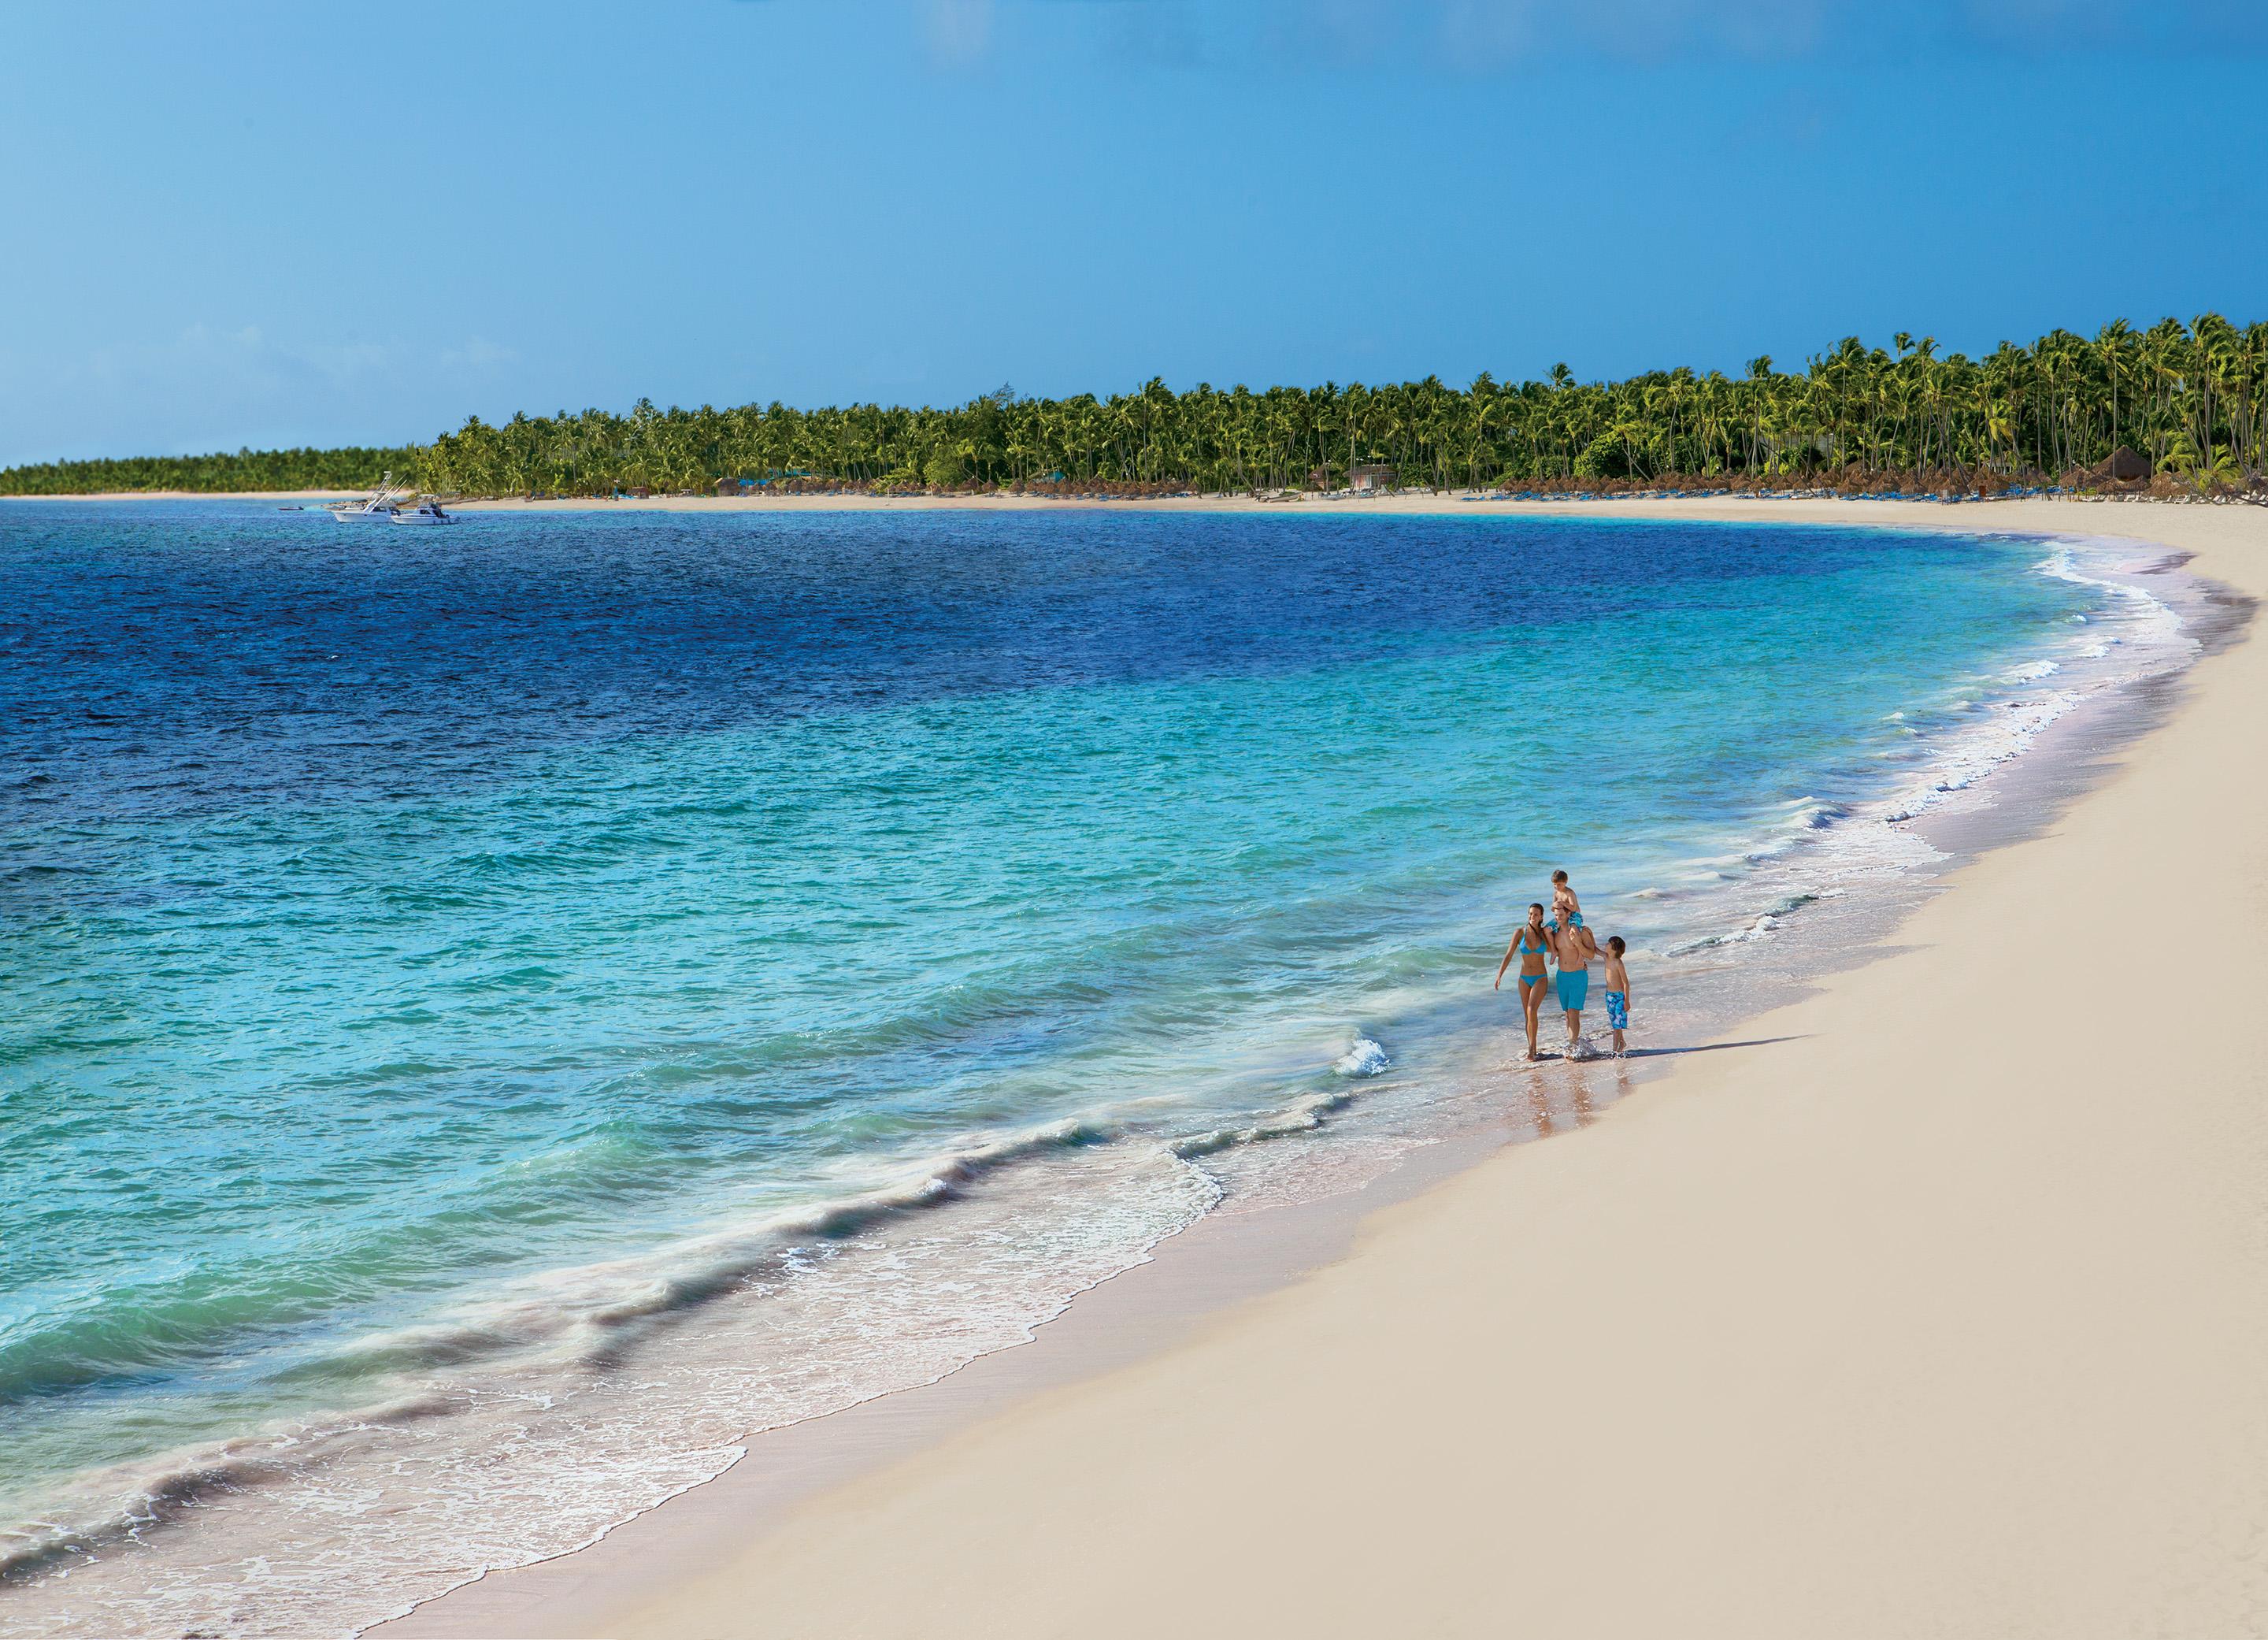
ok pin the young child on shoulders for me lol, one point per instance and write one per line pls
(1619, 990)
(1565, 908)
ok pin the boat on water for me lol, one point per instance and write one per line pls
(380, 508)
(386, 507)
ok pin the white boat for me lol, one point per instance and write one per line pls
(377, 509)
(380, 508)
(429, 514)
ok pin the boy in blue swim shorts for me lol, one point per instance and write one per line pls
(1617, 991)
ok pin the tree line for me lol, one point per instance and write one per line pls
(2187, 398)
(353, 468)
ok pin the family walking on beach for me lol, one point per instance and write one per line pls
(1563, 939)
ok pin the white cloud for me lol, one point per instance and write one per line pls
(478, 353)
(216, 386)
(1484, 35)
(959, 31)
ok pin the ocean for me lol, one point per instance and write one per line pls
(512, 1010)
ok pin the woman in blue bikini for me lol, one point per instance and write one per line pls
(1530, 945)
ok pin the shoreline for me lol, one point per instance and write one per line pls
(195, 495)
(1458, 503)
(1199, 1287)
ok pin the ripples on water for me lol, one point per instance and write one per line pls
(576, 989)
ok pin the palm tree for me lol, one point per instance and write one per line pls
(2191, 396)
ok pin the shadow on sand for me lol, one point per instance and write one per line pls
(1705, 1047)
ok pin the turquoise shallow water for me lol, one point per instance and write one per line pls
(452, 954)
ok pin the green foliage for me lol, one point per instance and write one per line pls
(1603, 457)
(2187, 397)
(354, 468)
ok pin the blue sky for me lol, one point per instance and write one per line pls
(268, 225)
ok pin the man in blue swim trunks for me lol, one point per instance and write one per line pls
(1572, 948)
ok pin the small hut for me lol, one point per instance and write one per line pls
(734, 486)
(2122, 466)
(1369, 475)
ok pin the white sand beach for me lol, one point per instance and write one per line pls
(1933, 1304)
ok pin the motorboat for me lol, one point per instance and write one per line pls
(377, 509)
(431, 513)
(380, 508)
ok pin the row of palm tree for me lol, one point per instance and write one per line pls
(2187, 397)
(350, 468)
